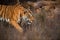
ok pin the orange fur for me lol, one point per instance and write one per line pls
(13, 12)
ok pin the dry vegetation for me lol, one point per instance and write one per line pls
(46, 25)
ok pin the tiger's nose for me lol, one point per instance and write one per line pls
(32, 19)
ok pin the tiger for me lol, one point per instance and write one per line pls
(13, 13)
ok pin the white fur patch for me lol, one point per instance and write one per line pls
(7, 20)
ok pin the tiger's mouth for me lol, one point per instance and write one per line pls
(26, 20)
(29, 22)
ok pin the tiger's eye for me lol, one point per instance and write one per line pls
(25, 12)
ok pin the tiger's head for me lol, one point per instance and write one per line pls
(27, 17)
